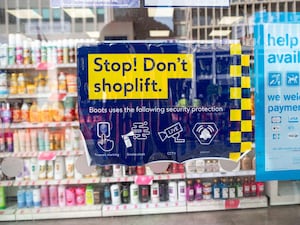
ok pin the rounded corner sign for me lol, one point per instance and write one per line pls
(145, 102)
(277, 58)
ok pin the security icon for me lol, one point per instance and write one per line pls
(205, 132)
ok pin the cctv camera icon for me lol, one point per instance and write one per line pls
(172, 132)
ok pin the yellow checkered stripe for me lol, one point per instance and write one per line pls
(241, 131)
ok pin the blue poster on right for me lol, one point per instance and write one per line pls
(277, 96)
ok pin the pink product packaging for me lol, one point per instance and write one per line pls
(80, 195)
(70, 196)
(53, 195)
(44, 196)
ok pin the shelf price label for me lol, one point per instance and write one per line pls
(48, 156)
(143, 180)
(232, 203)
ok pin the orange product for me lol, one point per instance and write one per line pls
(71, 83)
(13, 89)
(57, 112)
(34, 113)
(44, 113)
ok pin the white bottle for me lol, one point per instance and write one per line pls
(155, 192)
(3, 55)
(68, 139)
(33, 140)
(34, 169)
(16, 141)
(50, 169)
(173, 192)
(115, 194)
(59, 168)
(134, 193)
(11, 49)
(181, 191)
(46, 140)
(36, 195)
(61, 195)
(26, 169)
(69, 166)
(42, 169)
(117, 171)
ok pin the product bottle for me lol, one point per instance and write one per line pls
(2, 143)
(9, 142)
(62, 83)
(232, 189)
(117, 171)
(44, 52)
(125, 193)
(34, 169)
(49, 52)
(224, 189)
(239, 188)
(144, 193)
(61, 195)
(13, 84)
(50, 169)
(134, 193)
(34, 113)
(16, 141)
(163, 191)
(69, 166)
(216, 190)
(246, 188)
(181, 191)
(2, 198)
(115, 194)
(33, 140)
(42, 169)
(27, 141)
(36, 193)
(21, 84)
(59, 168)
(173, 196)
(190, 191)
(80, 195)
(16, 113)
(29, 197)
(5, 113)
(3, 55)
(19, 49)
(11, 49)
(44, 196)
(107, 171)
(25, 112)
(59, 52)
(106, 195)
(71, 51)
(252, 186)
(65, 51)
(26, 53)
(70, 196)
(198, 187)
(155, 192)
(89, 195)
(3, 82)
(46, 140)
(21, 198)
(246, 163)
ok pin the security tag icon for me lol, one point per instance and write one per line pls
(205, 132)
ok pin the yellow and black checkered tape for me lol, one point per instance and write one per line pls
(241, 129)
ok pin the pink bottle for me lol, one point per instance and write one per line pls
(62, 196)
(70, 196)
(44, 196)
(53, 195)
(80, 195)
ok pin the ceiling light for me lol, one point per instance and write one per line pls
(79, 13)
(220, 33)
(160, 12)
(93, 34)
(159, 33)
(24, 13)
(229, 20)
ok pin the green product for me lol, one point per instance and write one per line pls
(2, 198)
(89, 195)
